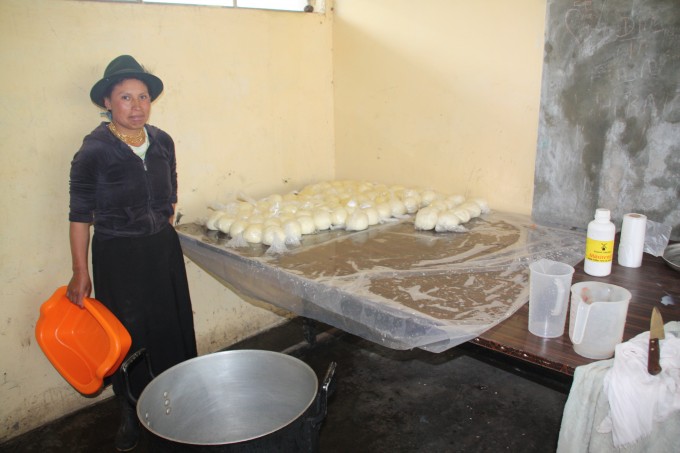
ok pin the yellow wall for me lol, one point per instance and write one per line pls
(248, 100)
(441, 94)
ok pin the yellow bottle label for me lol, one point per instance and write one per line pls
(599, 251)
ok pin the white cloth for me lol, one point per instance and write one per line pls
(636, 398)
(615, 405)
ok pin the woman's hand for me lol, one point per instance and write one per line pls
(79, 287)
(172, 217)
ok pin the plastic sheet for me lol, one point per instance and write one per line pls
(392, 284)
(656, 238)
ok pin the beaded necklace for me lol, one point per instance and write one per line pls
(132, 140)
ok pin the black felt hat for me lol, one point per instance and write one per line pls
(120, 68)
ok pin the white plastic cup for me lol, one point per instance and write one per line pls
(549, 285)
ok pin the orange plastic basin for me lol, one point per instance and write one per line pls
(84, 344)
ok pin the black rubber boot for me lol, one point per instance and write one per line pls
(128, 431)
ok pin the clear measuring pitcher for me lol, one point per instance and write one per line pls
(597, 318)
(549, 283)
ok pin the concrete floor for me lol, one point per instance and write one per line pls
(462, 400)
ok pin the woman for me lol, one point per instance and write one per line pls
(124, 182)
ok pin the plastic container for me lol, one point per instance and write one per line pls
(597, 318)
(632, 241)
(549, 283)
(83, 344)
(599, 245)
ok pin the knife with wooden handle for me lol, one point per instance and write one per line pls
(656, 333)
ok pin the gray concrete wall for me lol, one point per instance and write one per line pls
(609, 129)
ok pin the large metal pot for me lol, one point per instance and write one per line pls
(235, 401)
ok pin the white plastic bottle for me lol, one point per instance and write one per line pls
(599, 245)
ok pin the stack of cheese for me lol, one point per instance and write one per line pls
(349, 205)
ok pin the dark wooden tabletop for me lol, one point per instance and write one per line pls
(654, 284)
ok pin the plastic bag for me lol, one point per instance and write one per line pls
(657, 236)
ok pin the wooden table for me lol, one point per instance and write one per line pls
(649, 284)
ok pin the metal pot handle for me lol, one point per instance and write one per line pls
(327, 389)
(328, 380)
(124, 369)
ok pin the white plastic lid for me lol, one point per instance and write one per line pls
(602, 215)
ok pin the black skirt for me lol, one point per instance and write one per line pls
(143, 281)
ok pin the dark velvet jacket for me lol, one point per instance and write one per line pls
(123, 195)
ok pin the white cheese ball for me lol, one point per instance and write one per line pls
(412, 204)
(371, 195)
(263, 206)
(398, 191)
(256, 217)
(372, 215)
(211, 223)
(244, 206)
(243, 214)
(381, 188)
(237, 227)
(472, 208)
(398, 208)
(231, 208)
(271, 221)
(411, 193)
(322, 220)
(427, 197)
(381, 198)
(307, 202)
(357, 221)
(224, 223)
(283, 218)
(339, 217)
(483, 205)
(292, 230)
(253, 233)
(426, 219)
(332, 200)
(364, 187)
(306, 224)
(366, 204)
(351, 203)
(273, 234)
(384, 211)
(439, 205)
(463, 215)
(454, 200)
(446, 221)
(289, 208)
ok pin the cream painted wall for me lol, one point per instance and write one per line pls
(441, 94)
(248, 101)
